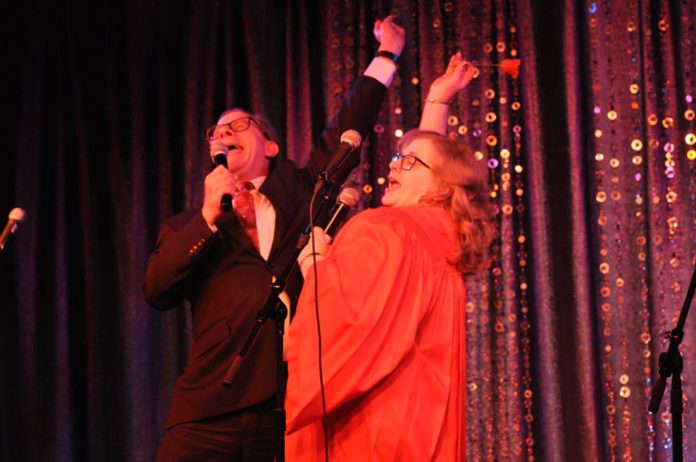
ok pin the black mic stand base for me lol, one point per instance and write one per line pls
(672, 364)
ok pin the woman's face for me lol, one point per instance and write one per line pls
(410, 177)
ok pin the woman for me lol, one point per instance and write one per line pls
(391, 300)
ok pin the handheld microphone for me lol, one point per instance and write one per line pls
(350, 141)
(347, 199)
(218, 151)
(16, 216)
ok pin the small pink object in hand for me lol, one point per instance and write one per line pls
(511, 66)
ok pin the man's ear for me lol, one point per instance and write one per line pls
(272, 149)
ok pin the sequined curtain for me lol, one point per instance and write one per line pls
(591, 153)
(591, 156)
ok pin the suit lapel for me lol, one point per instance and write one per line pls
(233, 232)
(281, 189)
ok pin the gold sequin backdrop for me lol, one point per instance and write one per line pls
(592, 154)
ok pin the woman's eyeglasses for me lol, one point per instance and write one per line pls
(407, 161)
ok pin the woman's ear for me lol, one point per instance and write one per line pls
(444, 188)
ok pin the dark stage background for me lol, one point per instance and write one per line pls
(592, 153)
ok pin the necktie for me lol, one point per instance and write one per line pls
(244, 209)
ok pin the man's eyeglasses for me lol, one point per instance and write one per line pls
(407, 161)
(237, 125)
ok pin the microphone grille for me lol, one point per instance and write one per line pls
(218, 147)
(349, 196)
(351, 137)
(18, 214)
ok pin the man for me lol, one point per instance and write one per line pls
(224, 265)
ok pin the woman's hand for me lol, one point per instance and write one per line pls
(457, 76)
(321, 246)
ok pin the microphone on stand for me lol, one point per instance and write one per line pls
(350, 141)
(218, 151)
(347, 199)
(16, 216)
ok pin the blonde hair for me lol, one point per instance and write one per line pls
(464, 194)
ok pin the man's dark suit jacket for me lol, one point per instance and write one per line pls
(227, 281)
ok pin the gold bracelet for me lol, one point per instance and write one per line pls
(430, 100)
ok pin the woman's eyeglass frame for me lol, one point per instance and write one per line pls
(407, 161)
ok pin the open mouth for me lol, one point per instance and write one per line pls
(392, 184)
(233, 147)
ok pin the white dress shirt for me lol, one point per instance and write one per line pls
(380, 69)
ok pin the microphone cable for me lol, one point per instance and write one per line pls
(324, 422)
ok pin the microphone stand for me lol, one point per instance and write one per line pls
(671, 363)
(274, 307)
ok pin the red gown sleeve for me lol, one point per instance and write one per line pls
(363, 282)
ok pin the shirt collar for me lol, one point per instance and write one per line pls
(258, 181)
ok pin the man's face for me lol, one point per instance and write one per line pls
(249, 149)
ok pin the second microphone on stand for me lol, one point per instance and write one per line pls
(347, 199)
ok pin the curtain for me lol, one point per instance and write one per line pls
(591, 153)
